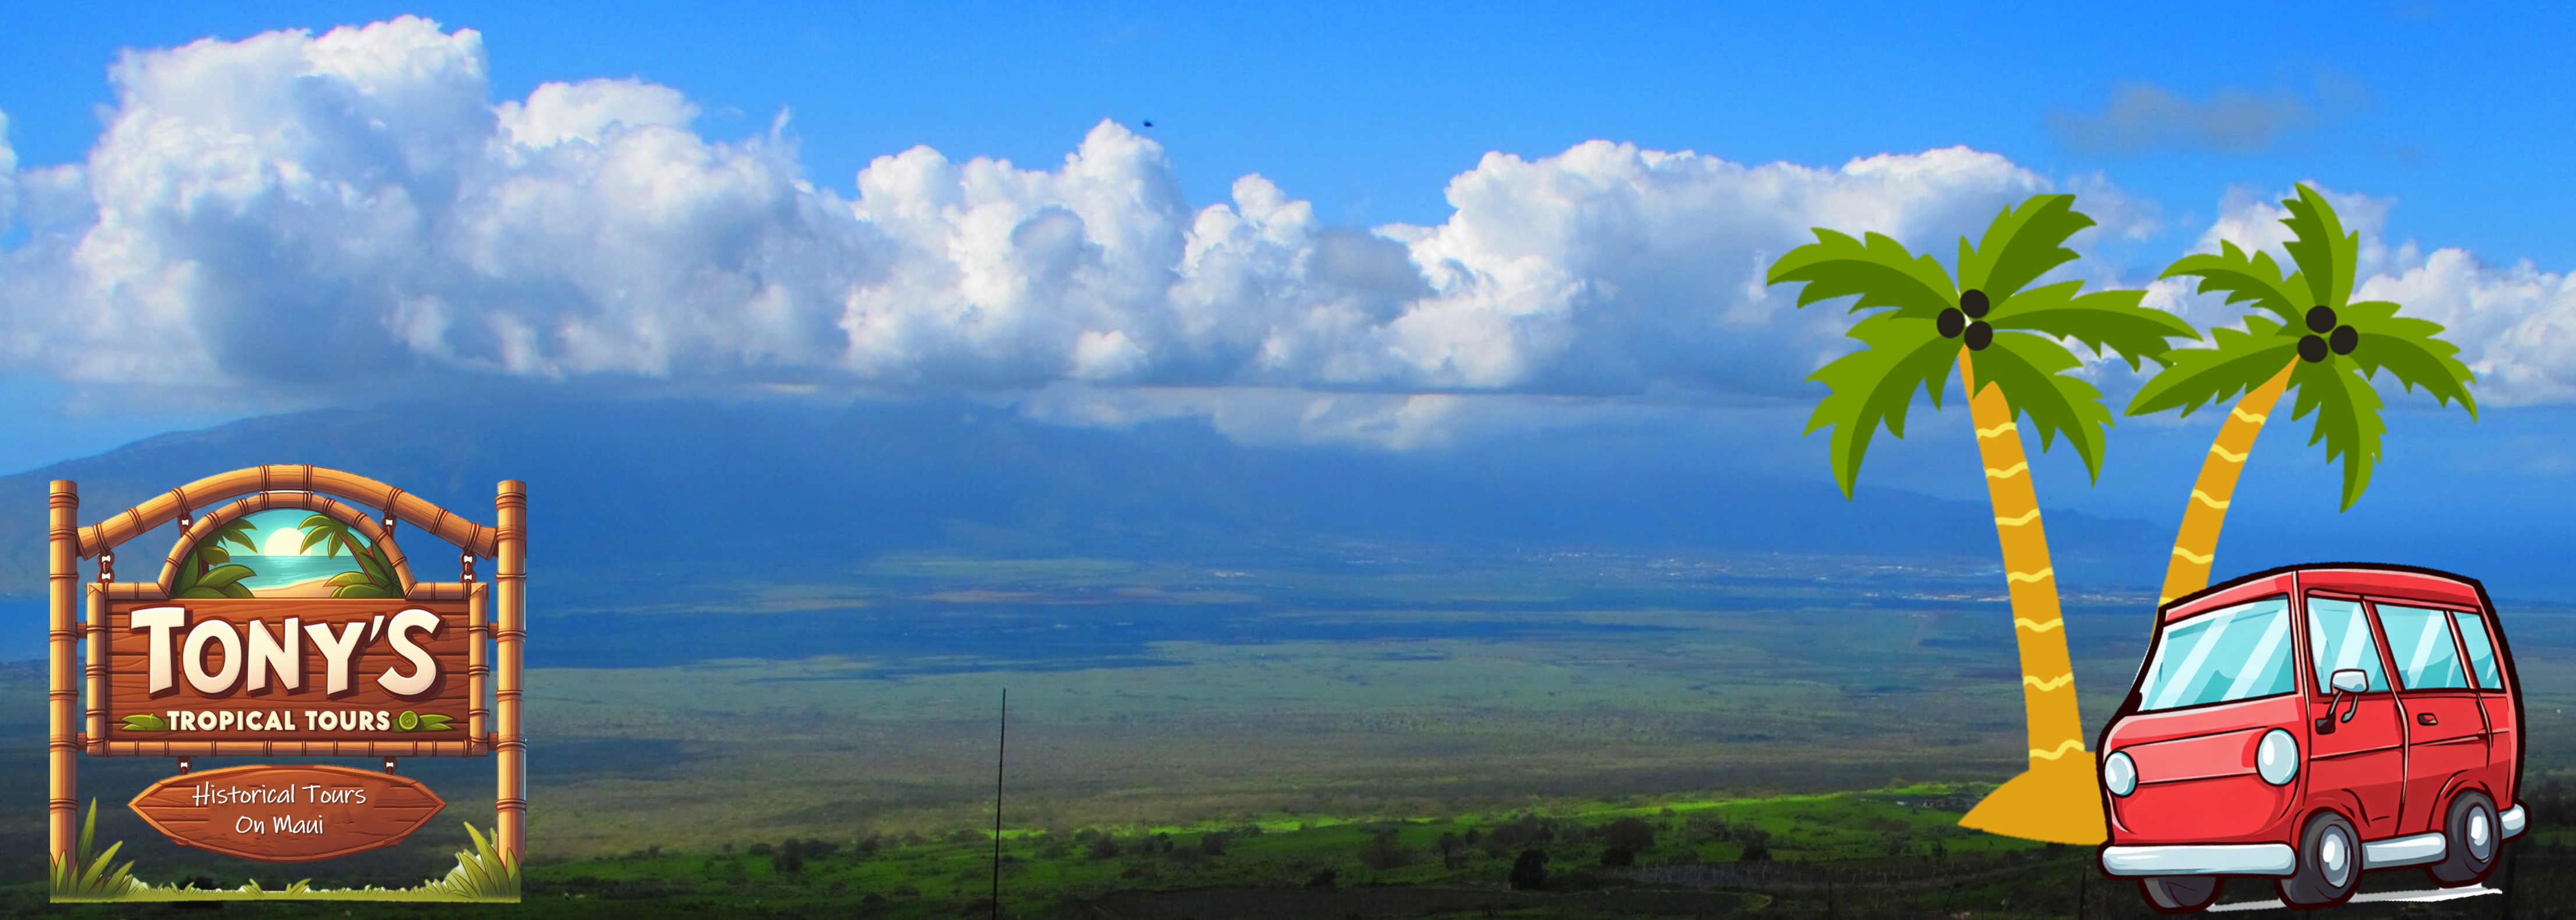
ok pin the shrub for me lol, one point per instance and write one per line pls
(1323, 881)
(1384, 851)
(1618, 856)
(1529, 872)
(1450, 846)
(1631, 834)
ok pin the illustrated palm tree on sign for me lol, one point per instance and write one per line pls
(2328, 350)
(375, 575)
(2004, 338)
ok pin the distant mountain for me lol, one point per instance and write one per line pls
(614, 480)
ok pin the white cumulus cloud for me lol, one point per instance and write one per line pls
(331, 213)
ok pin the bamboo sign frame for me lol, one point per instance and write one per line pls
(461, 627)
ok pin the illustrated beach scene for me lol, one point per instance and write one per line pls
(286, 553)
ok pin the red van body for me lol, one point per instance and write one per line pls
(2312, 723)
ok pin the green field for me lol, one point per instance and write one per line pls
(1850, 718)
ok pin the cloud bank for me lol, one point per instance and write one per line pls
(351, 213)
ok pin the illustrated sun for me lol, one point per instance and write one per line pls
(285, 541)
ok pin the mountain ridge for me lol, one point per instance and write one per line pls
(638, 478)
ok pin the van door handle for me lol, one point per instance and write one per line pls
(2426, 718)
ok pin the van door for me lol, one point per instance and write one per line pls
(2494, 677)
(2446, 730)
(2360, 761)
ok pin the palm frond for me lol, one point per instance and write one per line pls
(2237, 361)
(224, 575)
(2022, 243)
(186, 579)
(1880, 271)
(236, 530)
(2105, 320)
(373, 562)
(2246, 277)
(2411, 350)
(1875, 385)
(2347, 411)
(2031, 371)
(2325, 253)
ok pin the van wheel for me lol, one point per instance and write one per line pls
(2329, 864)
(2474, 836)
(2179, 894)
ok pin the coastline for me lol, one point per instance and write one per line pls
(319, 586)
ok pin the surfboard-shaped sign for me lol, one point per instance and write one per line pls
(288, 813)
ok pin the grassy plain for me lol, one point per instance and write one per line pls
(1353, 691)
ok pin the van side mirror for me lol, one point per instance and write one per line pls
(2349, 680)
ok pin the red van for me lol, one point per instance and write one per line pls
(2310, 724)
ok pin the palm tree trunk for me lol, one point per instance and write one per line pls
(2196, 546)
(2047, 673)
(2057, 798)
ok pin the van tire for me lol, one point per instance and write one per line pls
(2179, 894)
(2329, 861)
(2468, 828)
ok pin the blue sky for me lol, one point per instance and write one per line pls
(1368, 111)
(1465, 291)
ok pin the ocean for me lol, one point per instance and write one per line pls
(277, 571)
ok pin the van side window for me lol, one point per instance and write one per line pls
(2339, 639)
(2419, 640)
(2473, 630)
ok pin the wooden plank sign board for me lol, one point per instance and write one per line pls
(269, 669)
(287, 813)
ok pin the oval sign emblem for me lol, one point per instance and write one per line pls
(287, 813)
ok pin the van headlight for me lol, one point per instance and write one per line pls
(2277, 757)
(2119, 773)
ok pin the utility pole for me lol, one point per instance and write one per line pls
(1001, 745)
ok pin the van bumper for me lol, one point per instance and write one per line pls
(2200, 859)
(2513, 820)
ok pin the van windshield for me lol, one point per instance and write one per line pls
(2232, 653)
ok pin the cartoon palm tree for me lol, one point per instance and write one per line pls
(209, 570)
(2004, 337)
(375, 577)
(2328, 351)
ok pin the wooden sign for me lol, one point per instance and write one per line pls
(286, 670)
(287, 813)
(285, 622)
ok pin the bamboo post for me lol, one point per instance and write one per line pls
(63, 540)
(478, 670)
(509, 600)
(97, 669)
